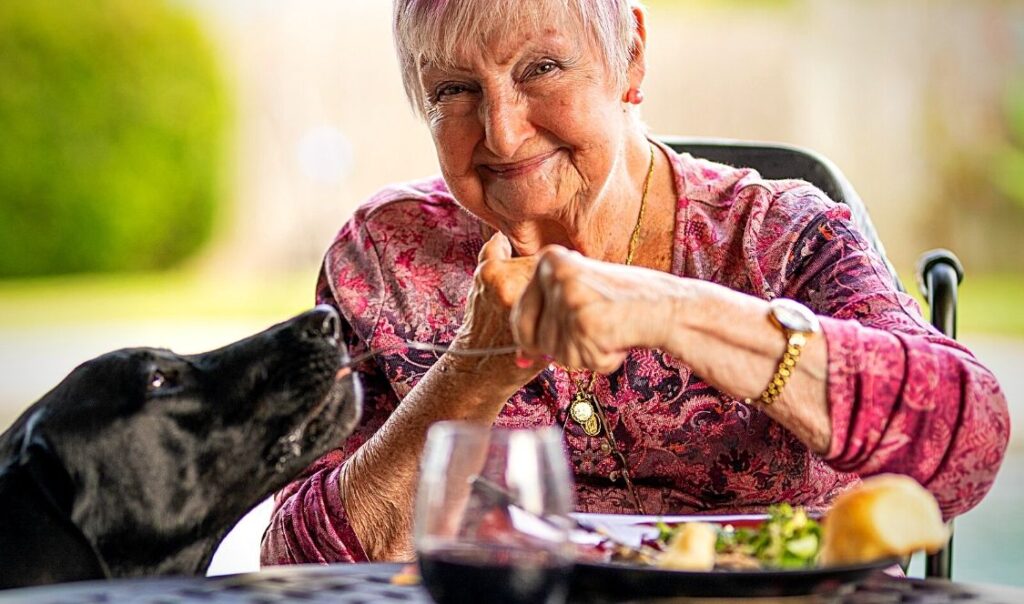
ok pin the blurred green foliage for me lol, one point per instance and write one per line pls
(113, 119)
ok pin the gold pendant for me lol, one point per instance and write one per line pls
(582, 412)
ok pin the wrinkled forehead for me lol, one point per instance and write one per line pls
(445, 33)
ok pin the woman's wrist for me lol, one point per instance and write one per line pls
(684, 317)
(725, 336)
(480, 385)
(728, 339)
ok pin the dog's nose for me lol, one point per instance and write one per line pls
(323, 322)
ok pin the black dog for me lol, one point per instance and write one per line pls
(141, 460)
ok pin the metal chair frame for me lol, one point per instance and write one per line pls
(939, 272)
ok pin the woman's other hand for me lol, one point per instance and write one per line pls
(588, 314)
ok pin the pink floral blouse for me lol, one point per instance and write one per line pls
(903, 398)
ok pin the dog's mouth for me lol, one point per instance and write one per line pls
(326, 421)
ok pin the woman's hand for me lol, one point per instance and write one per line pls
(379, 481)
(499, 281)
(588, 314)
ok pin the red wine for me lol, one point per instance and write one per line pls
(497, 575)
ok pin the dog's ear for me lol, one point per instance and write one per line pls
(38, 458)
(49, 474)
(39, 546)
(46, 498)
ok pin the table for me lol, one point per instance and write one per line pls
(371, 583)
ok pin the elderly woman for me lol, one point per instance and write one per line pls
(653, 298)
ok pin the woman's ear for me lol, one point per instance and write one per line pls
(638, 51)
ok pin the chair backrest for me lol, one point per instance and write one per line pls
(778, 161)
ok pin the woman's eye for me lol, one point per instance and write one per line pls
(448, 90)
(545, 67)
(541, 69)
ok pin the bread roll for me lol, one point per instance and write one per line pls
(886, 516)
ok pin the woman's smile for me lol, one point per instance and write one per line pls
(510, 170)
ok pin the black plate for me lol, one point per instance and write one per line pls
(596, 582)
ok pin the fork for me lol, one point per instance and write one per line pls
(497, 496)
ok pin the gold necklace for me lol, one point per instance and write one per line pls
(584, 408)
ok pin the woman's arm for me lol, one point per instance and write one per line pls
(902, 397)
(881, 393)
(378, 483)
(587, 313)
(360, 507)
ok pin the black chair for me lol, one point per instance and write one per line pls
(939, 273)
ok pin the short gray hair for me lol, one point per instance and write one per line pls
(429, 31)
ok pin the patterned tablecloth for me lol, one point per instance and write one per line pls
(371, 583)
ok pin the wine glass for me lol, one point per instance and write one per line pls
(492, 515)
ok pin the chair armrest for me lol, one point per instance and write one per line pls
(939, 273)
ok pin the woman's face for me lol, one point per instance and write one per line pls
(529, 127)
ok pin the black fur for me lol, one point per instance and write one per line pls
(141, 460)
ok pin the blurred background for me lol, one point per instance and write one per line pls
(172, 170)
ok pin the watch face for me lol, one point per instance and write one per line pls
(794, 316)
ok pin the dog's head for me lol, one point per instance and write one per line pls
(151, 449)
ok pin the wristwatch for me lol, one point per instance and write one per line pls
(798, 323)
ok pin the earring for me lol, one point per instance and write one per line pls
(635, 96)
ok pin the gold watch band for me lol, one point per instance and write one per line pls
(795, 341)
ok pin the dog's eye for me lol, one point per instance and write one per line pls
(157, 381)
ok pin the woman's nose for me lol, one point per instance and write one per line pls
(506, 122)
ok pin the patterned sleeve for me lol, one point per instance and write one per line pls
(903, 397)
(309, 523)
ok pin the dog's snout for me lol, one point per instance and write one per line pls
(322, 322)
